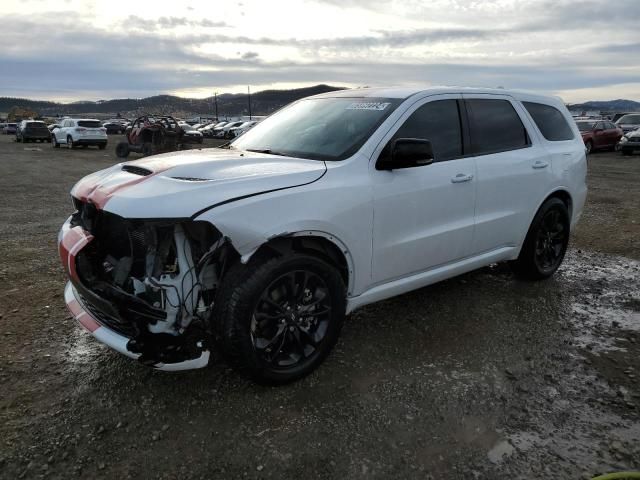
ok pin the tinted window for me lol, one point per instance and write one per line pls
(89, 124)
(550, 121)
(495, 126)
(438, 122)
(585, 126)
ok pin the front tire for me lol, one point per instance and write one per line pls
(122, 150)
(54, 142)
(546, 242)
(70, 143)
(277, 318)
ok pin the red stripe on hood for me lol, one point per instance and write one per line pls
(91, 190)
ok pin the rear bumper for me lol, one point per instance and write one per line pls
(90, 141)
(71, 240)
(28, 136)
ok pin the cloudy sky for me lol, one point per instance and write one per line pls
(70, 50)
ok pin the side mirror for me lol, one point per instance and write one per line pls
(407, 153)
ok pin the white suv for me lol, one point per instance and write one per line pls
(74, 132)
(259, 248)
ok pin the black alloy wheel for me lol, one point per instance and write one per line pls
(278, 317)
(546, 242)
(291, 319)
(551, 240)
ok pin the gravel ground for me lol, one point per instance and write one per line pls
(481, 376)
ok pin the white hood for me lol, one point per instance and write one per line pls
(181, 184)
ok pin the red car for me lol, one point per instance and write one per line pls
(599, 134)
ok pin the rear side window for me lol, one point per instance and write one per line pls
(495, 126)
(550, 121)
(89, 124)
(438, 122)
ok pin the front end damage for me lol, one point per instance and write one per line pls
(144, 287)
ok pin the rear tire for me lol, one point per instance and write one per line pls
(147, 149)
(277, 318)
(122, 150)
(626, 152)
(546, 242)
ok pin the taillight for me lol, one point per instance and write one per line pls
(80, 129)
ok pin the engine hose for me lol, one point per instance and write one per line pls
(618, 476)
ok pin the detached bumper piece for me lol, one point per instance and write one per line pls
(119, 342)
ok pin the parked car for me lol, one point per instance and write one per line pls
(32, 131)
(191, 134)
(223, 132)
(629, 122)
(209, 130)
(599, 134)
(76, 132)
(242, 128)
(630, 142)
(385, 191)
(115, 127)
(11, 128)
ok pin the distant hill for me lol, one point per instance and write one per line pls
(607, 106)
(262, 103)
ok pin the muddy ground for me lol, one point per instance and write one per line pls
(481, 376)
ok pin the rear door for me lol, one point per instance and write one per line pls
(600, 135)
(423, 216)
(513, 171)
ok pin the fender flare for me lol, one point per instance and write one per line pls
(245, 257)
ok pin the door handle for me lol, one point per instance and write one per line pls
(540, 164)
(461, 178)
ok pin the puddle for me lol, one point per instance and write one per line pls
(607, 310)
(83, 348)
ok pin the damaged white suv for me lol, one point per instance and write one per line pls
(259, 248)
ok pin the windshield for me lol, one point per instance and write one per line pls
(629, 119)
(319, 128)
(585, 126)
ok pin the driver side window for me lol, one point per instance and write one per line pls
(438, 122)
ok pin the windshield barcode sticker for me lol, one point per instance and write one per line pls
(368, 106)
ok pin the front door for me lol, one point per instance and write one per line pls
(424, 216)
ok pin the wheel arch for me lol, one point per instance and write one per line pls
(314, 242)
(564, 195)
(561, 193)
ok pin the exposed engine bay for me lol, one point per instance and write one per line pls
(153, 281)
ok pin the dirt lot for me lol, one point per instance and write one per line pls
(482, 376)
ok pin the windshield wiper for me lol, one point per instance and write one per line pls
(268, 151)
(227, 145)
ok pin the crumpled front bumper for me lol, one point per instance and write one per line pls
(70, 241)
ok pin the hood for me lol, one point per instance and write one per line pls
(633, 133)
(179, 184)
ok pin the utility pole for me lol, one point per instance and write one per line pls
(249, 95)
(215, 96)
